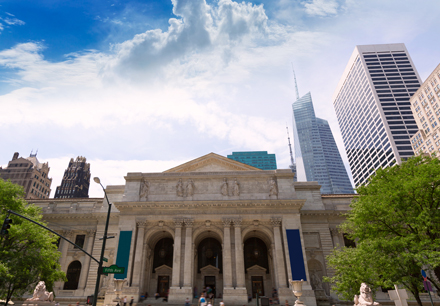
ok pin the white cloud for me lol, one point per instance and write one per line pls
(321, 8)
(13, 21)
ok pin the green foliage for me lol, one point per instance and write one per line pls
(395, 221)
(28, 253)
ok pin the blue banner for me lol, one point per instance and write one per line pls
(296, 254)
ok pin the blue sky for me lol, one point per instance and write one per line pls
(146, 85)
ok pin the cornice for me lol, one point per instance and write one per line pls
(192, 205)
(323, 212)
(137, 176)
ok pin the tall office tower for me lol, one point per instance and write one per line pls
(76, 180)
(317, 156)
(373, 108)
(29, 173)
(257, 159)
(426, 109)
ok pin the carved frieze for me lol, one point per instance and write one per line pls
(189, 222)
(144, 190)
(275, 221)
(224, 188)
(273, 187)
(235, 188)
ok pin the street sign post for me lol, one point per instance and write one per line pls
(427, 285)
(113, 269)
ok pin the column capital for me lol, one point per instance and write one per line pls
(141, 224)
(178, 222)
(91, 232)
(335, 231)
(66, 233)
(237, 222)
(227, 222)
(188, 222)
(275, 221)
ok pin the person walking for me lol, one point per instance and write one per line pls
(125, 300)
(131, 301)
(187, 302)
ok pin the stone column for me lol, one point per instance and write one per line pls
(64, 249)
(188, 264)
(239, 256)
(138, 257)
(227, 258)
(281, 272)
(175, 280)
(275, 268)
(86, 267)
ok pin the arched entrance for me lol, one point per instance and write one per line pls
(257, 266)
(210, 267)
(73, 273)
(162, 265)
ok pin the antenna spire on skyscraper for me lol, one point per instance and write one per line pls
(296, 85)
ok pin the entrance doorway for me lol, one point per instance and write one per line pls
(257, 286)
(210, 285)
(163, 284)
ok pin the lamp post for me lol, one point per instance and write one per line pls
(104, 239)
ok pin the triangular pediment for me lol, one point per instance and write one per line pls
(212, 163)
(256, 268)
(209, 269)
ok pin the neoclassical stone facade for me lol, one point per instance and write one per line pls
(209, 222)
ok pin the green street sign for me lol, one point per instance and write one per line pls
(104, 259)
(114, 269)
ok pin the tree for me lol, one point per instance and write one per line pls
(28, 253)
(395, 221)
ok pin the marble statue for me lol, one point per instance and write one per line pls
(143, 191)
(190, 188)
(224, 188)
(315, 281)
(236, 188)
(179, 188)
(40, 293)
(365, 298)
(273, 188)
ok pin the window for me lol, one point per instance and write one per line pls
(79, 240)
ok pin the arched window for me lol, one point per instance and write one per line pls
(73, 273)
(163, 253)
(255, 253)
(210, 253)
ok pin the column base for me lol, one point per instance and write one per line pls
(235, 296)
(178, 295)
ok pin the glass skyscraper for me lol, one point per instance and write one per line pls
(317, 156)
(373, 108)
(257, 159)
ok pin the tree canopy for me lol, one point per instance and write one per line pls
(28, 253)
(395, 221)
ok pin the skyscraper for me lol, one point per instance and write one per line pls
(373, 108)
(426, 110)
(76, 180)
(317, 156)
(257, 159)
(29, 173)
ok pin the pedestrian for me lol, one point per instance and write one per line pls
(77, 303)
(156, 295)
(187, 302)
(202, 300)
(132, 301)
(222, 304)
(125, 300)
(287, 303)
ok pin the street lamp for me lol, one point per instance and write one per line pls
(104, 239)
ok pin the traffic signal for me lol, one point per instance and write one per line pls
(6, 226)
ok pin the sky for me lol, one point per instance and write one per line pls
(143, 86)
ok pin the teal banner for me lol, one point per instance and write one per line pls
(123, 252)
